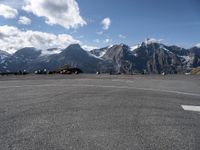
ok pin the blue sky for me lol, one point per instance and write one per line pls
(131, 21)
(174, 21)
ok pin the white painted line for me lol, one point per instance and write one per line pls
(191, 108)
(102, 86)
(136, 88)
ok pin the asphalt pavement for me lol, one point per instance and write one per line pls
(99, 112)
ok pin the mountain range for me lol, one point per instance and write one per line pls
(147, 57)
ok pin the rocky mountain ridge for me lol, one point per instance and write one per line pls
(147, 57)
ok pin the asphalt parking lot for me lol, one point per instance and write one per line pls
(91, 112)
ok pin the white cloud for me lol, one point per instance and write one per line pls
(152, 40)
(106, 22)
(56, 12)
(121, 36)
(17, 4)
(24, 20)
(107, 41)
(7, 11)
(12, 39)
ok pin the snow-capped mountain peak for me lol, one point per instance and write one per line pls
(154, 58)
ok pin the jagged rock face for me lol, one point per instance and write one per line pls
(153, 58)
(150, 58)
(121, 57)
(195, 54)
(3, 56)
(156, 58)
(177, 50)
(99, 52)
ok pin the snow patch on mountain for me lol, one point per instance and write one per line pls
(165, 49)
(99, 53)
(102, 54)
(135, 47)
(88, 48)
(188, 60)
(92, 55)
(109, 46)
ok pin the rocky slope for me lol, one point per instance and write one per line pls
(147, 57)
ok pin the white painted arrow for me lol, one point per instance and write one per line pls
(191, 108)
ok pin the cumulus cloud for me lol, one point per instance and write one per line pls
(24, 20)
(12, 39)
(152, 40)
(7, 11)
(106, 22)
(17, 4)
(57, 12)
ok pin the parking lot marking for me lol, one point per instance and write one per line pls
(191, 108)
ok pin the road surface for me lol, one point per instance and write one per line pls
(91, 112)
